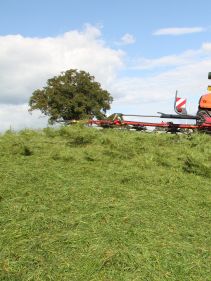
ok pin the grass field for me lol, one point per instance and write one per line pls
(85, 204)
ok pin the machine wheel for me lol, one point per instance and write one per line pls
(200, 115)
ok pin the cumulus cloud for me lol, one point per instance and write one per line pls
(26, 63)
(178, 30)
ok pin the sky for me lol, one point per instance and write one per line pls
(140, 51)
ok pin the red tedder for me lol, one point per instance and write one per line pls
(202, 118)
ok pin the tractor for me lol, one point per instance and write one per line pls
(204, 109)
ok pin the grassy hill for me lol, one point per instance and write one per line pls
(85, 204)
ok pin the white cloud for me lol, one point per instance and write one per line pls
(17, 117)
(207, 47)
(26, 63)
(151, 91)
(127, 39)
(185, 58)
(178, 30)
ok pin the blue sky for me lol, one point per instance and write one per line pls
(157, 46)
(41, 18)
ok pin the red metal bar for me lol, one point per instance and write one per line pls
(163, 124)
(148, 124)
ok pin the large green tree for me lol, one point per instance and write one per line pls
(71, 95)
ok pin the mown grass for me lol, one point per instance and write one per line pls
(85, 204)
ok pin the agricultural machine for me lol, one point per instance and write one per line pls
(202, 117)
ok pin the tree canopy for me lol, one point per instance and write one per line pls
(71, 95)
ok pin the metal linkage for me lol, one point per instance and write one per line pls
(172, 127)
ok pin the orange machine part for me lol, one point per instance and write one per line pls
(205, 101)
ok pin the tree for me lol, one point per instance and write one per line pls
(72, 95)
